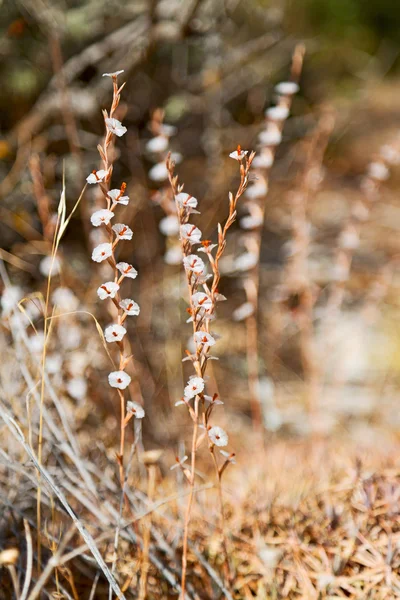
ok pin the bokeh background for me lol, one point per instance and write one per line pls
(211, 67)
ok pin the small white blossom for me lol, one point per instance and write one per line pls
(119, 379)
(186, 200)
(243, 311)
(194, 386)
(10, 298)
(168, 130)
(179, 462)
(123, 232)
(173, 256)
(130, 307)
(157, 144)
(263, 160)
(238, 154)
(49, 264)
(71, 335)
(200, 299)
(203, 338)
(77, 388)
(191, 233)
(194, 263)
(251, 221)
(54, 363)
(116, 127)
(270, 136)
(101, 217)
(113, 74)
(102, 252)
(258, 190)
(36, 342)
(390, 154)
(107, 290)
(127, 270)
(114, 333)
(213, 399)
(96, 176)
(349, 239)
(218, 436)
(378, 170)
(246, 261)
(135, 409)
(230, 456)
(207, 247)
(169, 225)
(117, 197)
(65, 299)
(277, 113)
(159, 172)
(287, 88)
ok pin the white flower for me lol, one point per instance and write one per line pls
(243, 312)
(107, 290)
(116, 127)
(390, 154)
(287, 88)
(113, 74)
(65, 299)
(96, 176)
(169, 225)
(130, 307)
(239, 154)
(191, 233)
(246, 261)
(49, 264)
(36, 342)
(167, 130)
(203, 338)
(173, 256)
(218, 436)
(258, 190)
(135, 409)
(349, 239)
(123, 232)
(102, 252)
(114, 333)
(200, 299)
(230, 456)
(251, 221)
(179, 462)
(117, 197)
(277, 113)
(159, 172)
(77, 388)
(270, 136)
(70, 335)
(101, 216)
(157, 144)
(206, 247)
(194, 263)
(263, 160)
(186, 200)
(378, 170)
(10, 298)
(127, 270)
(53, 363)
(119, 379)
(213, 399)
(194, 386)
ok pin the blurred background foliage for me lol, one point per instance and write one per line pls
(211, 65)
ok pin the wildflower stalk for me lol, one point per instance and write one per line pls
(202, 311)
(269, 139)
(106, 252)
